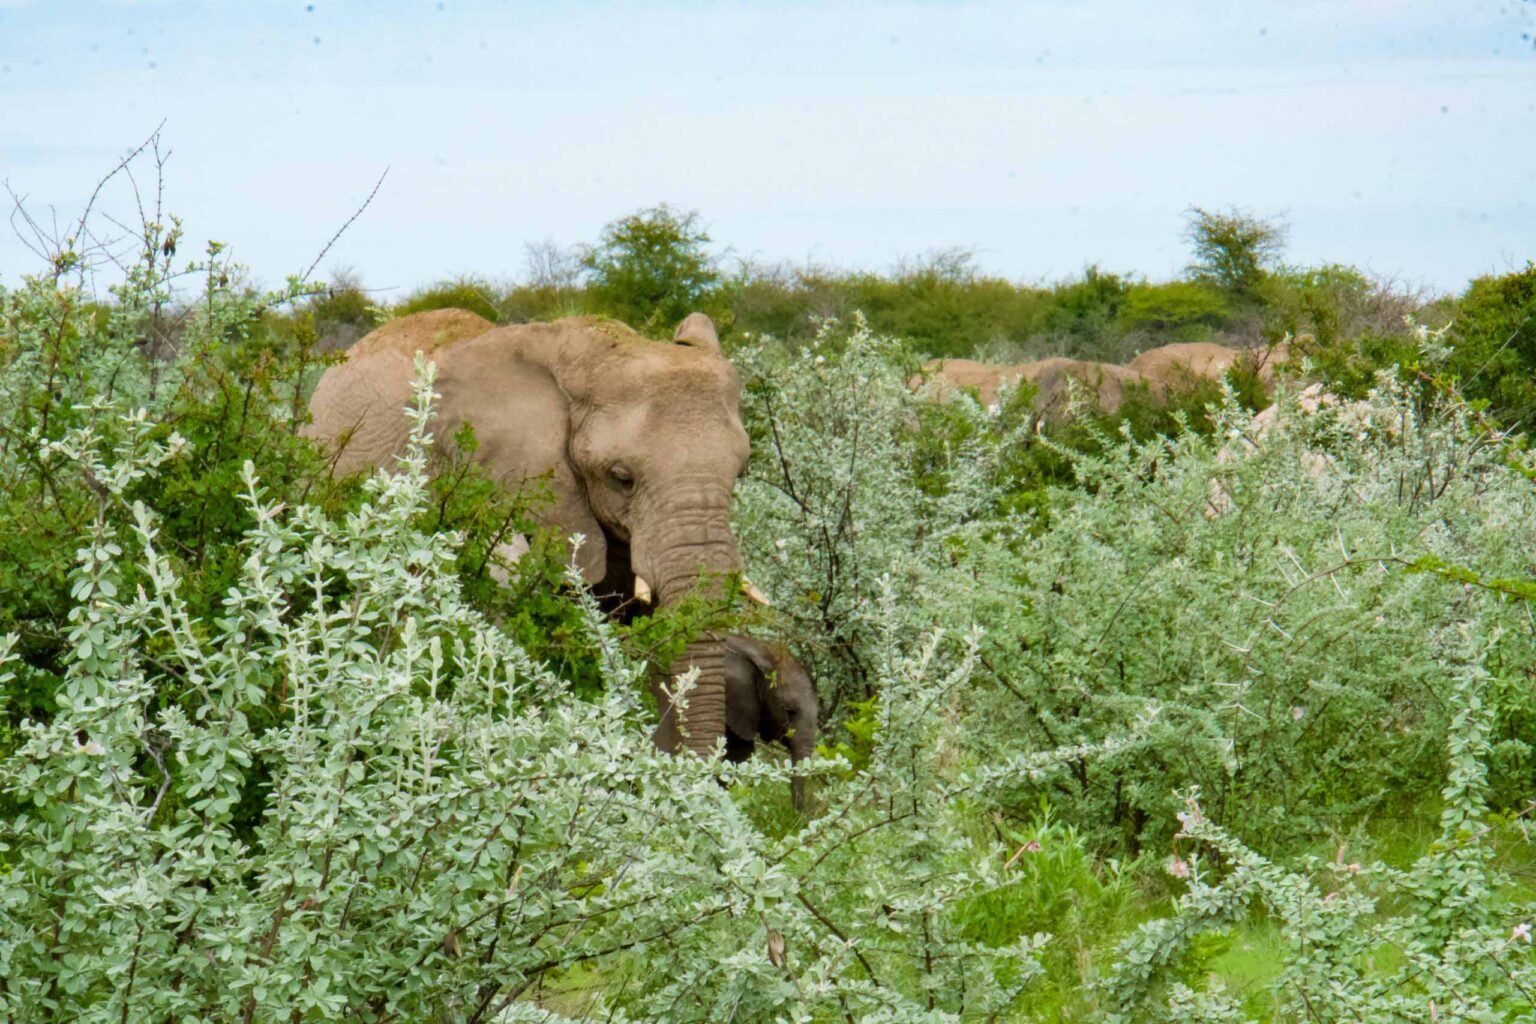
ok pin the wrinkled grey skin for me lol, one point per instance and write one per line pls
(769, 698)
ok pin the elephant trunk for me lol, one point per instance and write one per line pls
(802, 745)
(696, 553)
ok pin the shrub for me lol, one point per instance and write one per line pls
(1283, 648)
(651, 270)
(1494, 345)
(784, 302)
(1234, 250)
(1083, 313)
(235, 393)
(1269, 637)
(1440, 940)
(1173, 305)
(474, 294)
(943, 306)
(845, 495)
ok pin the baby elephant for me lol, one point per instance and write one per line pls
(770, 697)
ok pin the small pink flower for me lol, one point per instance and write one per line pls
(1033, 846)
(1178, 867)
(1521, 933)
(1297, 713)
(1353, 869)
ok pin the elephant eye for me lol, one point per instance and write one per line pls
(621, 474)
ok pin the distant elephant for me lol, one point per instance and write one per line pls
(1105, 383)
(641, 443)
(1171, 365)
(769, 697)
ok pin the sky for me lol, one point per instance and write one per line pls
(1393, 135)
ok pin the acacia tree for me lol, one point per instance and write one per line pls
(650, 268)
(1233, 248)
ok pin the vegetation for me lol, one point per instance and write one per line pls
(1233, 249)
(1146, 718)
(650, 269)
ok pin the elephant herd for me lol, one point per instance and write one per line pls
(1155, 371)
(641, 443)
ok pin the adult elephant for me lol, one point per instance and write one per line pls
(642, 442)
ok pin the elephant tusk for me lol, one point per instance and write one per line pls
(642, 590)
(753, 594)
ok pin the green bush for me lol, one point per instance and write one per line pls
(1234, 250)
(1166, 307)
(1356, 941)
(651, 270)
(235, 393)
(341, 315)
(444, 828)
(1084, 313)
(474, 294)
(1325, 302)
(943, 306)
(784, 302)
(1493, 337)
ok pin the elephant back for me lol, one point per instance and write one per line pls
(986, 378)
(357, 407)
(1170, 363)
(424, 332)
(1106, 383)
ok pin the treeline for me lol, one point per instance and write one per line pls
(653, 267)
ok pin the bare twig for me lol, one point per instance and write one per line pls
(342, 230)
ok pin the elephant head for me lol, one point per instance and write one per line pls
(769, 697)
(641, 443)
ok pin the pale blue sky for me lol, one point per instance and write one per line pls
(1399, 136)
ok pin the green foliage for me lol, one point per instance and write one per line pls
(943, 306)
(476, 295)
(1166, 307)
(844, 497)
(1290, 619)
(1440, 940)
(1233, 249)
(234, 393)
(1350, 366)
(1327, 302)
(650, 269)
(1084, 312)
(1493, 353)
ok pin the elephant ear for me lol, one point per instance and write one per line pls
(522, 423)
(745, 678)
(697, 331)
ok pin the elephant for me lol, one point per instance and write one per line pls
(1174, 364)
(641, 443)
(1104, 382)
(769, 698)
